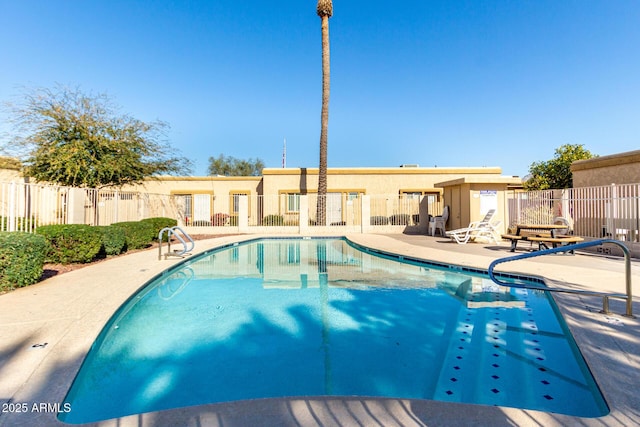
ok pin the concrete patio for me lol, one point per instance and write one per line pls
(47, 329)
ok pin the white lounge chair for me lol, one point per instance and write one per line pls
(486, 228)
(439, 222)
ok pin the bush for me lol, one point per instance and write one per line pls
(71, 243)
(21, 223)
(220, 219)
(379, 220)
(22, 257)
(399, 219)
(139, 234)
(273, 220)
(160, 223)
(114, 240)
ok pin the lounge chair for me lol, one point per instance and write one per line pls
(439, 222)
(486, 228)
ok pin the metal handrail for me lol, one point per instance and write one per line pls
(605, 296)
(171, 231)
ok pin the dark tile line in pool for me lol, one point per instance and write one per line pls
(403, 258)
(453, 267)
(386, 254)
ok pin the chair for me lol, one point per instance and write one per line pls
(486, 228)
(439, 222)
(559, 220)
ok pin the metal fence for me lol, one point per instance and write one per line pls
(353, 210)
(597, 212)
(104, 207)
(610, 211)
(26, 206)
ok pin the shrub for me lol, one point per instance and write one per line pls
(233, 221)
(138, 234)
(160, 223)
(21, 223)
(114, 240)
(220, 219)
(71, 242)
(379, 220)
(22, 257)
(273, 220)
(399, 219)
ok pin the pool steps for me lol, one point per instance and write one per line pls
(628, 295)
(181, 236)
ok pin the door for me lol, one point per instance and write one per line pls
(201, 209)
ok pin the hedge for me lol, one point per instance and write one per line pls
(114, 240)
(399, 219)
(22, 258)
(159, 223)
(21, 223)
(379, 220)
(138, 234)
(273, 220)
(71, 243)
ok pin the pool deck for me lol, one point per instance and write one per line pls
(46, 330)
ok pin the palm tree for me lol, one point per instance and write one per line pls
(324, 11)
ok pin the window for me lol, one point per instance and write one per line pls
(234, 202)
(187, 204)
(412, 195)
(293, 202)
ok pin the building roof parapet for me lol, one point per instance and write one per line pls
(511, 181)
(207, 178)
(385, 171)
(607, 161)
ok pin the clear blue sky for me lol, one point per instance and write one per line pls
(433, 82)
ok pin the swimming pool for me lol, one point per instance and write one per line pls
(309, 317)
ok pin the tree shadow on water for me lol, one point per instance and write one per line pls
(355, 349)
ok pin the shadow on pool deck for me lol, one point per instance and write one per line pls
(68, 311)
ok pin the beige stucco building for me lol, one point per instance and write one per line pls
(356, 198)
(468, 191)
(621, 168)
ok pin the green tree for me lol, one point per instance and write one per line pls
(70, 138)
(324, 10)
(556, 173)
(230, 166)
(10, 163)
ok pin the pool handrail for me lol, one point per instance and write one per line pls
(171, 231)
(628, 295)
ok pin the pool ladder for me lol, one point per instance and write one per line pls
(569, 248)
(172, 232)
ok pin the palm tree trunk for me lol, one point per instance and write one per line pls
(324, 10)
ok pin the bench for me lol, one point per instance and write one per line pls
(555, 241)
(514, 240)
(542, 239)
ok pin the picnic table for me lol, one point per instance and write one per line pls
(543, 234)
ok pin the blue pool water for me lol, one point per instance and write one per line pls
(305, 317)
